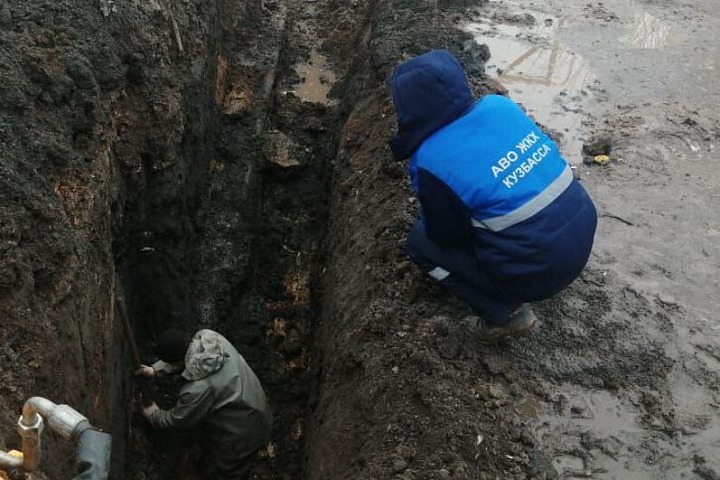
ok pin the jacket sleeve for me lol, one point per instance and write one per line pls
(193, 406)
(447, 218)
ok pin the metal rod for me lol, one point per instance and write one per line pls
(128, 332)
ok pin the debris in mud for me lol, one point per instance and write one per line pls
(489, 392)
(601, 159)
(282, 151)
(107, 7)
(515, 18)
(597, 151)
(599, 12)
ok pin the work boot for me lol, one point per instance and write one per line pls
(522, 321)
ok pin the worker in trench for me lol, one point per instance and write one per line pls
(503, 220)
(222, 400)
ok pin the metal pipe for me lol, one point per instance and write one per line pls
(30, 428)
(61, 418)
(33, 406)
(93, 455)
(9, 461)
(93, 451)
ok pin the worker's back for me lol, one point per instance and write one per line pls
(239, 414)
(533, 222)
(488, 179)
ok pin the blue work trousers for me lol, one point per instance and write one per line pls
(459, 272)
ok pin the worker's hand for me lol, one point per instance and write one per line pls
(150, 409)
(145, 371)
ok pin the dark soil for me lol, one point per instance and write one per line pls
(158, 154)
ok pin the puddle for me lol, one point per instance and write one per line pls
(316, 80)
(586, 431)
(540, 73)
(650, 32)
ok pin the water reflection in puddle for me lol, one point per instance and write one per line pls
(650, 32)
(316, 79)
(540, 73)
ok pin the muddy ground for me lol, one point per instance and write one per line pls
(224, 164)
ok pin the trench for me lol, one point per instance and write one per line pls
(223, 165)
(258, 227)
(232, 238)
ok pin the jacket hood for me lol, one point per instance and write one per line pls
(205, 355)
(429, 91)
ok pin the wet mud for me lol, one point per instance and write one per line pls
(636, 406)
(225, 165)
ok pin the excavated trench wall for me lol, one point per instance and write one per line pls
(151, 157)
(104, 109)
(374, 419)
(137, 139)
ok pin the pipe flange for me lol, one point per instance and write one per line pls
(30, 430)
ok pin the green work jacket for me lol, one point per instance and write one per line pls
(223, 395)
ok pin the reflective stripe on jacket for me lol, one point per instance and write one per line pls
(489, 180)
(497, 161)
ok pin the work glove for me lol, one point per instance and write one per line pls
(145, 371)
(148, 410)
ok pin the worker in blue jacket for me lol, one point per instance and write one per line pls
(504, 222)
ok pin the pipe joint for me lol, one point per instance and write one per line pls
(30, 434)
(93, 446)
(30, 429)
(62, 419)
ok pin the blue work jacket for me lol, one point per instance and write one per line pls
(489, 179)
